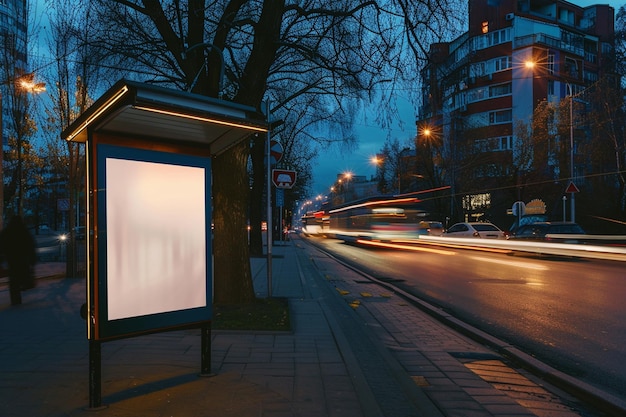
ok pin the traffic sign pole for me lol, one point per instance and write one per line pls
(276, 152)
(269, 231)
(572, 190)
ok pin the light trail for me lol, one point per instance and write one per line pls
(516, 264)
(404, 247)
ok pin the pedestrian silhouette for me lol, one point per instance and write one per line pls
(18, 248)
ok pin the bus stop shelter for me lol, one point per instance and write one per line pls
(148, 210)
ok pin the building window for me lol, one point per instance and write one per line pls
(500, 90)
(502, 63)
(500, 116)
(498, 37)
(571, 67)
(550, 64)
(485, 27)
(590, 77)
(497, 144)
(484, 93)
(476, 201)
(477, 69)
(506, 143)
(551, 90)
(477, 94)
(491, 39)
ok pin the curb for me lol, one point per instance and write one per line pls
(600, 399)
(595, 396)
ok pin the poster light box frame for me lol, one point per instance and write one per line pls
(153, 246)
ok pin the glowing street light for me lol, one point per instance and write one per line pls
(27, 84)
(529, 64)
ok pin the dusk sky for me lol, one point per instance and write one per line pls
(371, 138)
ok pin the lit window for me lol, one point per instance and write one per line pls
(485, 27)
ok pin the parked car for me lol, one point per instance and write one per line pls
(476, 229)
(49, 243)
(539, 230)
(430, 228)
(44, 236)
(525, 220)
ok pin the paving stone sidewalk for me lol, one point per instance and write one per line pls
(355, 351)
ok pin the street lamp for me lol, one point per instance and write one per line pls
(347, 176)
(26, 83)
(531, 65)
(571, 151)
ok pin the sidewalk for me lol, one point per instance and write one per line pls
(350, 354)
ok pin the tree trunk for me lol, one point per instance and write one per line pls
(232, 276)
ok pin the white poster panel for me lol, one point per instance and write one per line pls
(156, 238)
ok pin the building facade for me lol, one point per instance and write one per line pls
(13, 64)
(480, 92)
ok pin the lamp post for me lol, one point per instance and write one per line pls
(399, 167)
(347, 177)
(531, 65)
(26, 83)
(571, 151)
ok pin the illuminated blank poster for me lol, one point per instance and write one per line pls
(156, 243)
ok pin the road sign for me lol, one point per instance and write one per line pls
(571, 188)
(276, 152)
(283, 178)
(519, 208)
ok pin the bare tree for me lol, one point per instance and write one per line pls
(605, 151)
(17, 85)
(77, 69)
(272, 51)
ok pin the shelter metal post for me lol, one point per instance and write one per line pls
(205, 350)
(95, 375)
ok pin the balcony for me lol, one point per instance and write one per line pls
(549, 41)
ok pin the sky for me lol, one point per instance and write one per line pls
(371, 138)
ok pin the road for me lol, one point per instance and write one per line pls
(569, 313)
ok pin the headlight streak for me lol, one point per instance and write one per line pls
(515, 264)
(461, 246)
(404, 247)
(511, 246)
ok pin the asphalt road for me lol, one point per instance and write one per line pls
(569, 313)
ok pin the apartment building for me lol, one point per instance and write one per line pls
(478, 89)
(13, 38)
